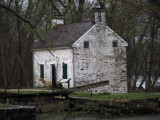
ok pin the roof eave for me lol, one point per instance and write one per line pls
(124, 44)
(55, 48)
(74, 44)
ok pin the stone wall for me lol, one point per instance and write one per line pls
(101, 61)
(18, 113)
(116, 107)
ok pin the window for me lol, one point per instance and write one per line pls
(86, 44)
(115, 43)
(64, 71)
(41, 71)
(99, 16)
(93, 17)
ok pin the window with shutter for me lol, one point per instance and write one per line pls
(64, 71)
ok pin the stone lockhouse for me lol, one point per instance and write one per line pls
(86, 53)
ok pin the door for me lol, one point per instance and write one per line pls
(53, 76)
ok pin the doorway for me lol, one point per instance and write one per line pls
(53, 76)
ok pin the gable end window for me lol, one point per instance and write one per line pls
(42, 71)
(115, 43)
(86, 44)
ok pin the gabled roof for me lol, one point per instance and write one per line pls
(63, 35)
(114, 33)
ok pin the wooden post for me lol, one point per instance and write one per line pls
(18, 86)
(52, 88)
(69, 84)
(5, 95)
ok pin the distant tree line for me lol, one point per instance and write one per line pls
(136, 21)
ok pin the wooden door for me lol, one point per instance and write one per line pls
(53, 76)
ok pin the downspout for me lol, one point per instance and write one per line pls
(33, 68)
(73, 68)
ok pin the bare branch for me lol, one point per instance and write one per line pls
(28, 22)
(2, 6)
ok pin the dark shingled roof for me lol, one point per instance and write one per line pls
(63, 35)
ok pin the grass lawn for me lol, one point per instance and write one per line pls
(30, 91)
(26, 91)
(5, 105)
(117, 96)
(88, 94)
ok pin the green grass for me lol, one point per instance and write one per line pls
(5, 105)
(80, 94)
(28, 92)
(37, 90)
(42, 116)
(95, 95)
(32, 92)
(48, 88)
(116, 96)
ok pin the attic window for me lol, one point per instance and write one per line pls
(115, 43)
(86, 44)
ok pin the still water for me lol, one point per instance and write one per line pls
(60, 116)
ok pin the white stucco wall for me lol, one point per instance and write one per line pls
(45, 58)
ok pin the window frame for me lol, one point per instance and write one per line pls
(42, 71)
(86, 44)
(99, 17)
(115, 44)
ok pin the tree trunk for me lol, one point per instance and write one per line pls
(21, 81)
(80, 11)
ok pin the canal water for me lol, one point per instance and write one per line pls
(64, 116)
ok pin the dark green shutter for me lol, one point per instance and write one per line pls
(41, 71)
(64, 71)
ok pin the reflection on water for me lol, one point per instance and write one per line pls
(66, 116)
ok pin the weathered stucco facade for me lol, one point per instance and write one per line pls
(43, 57)
(99, 60)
